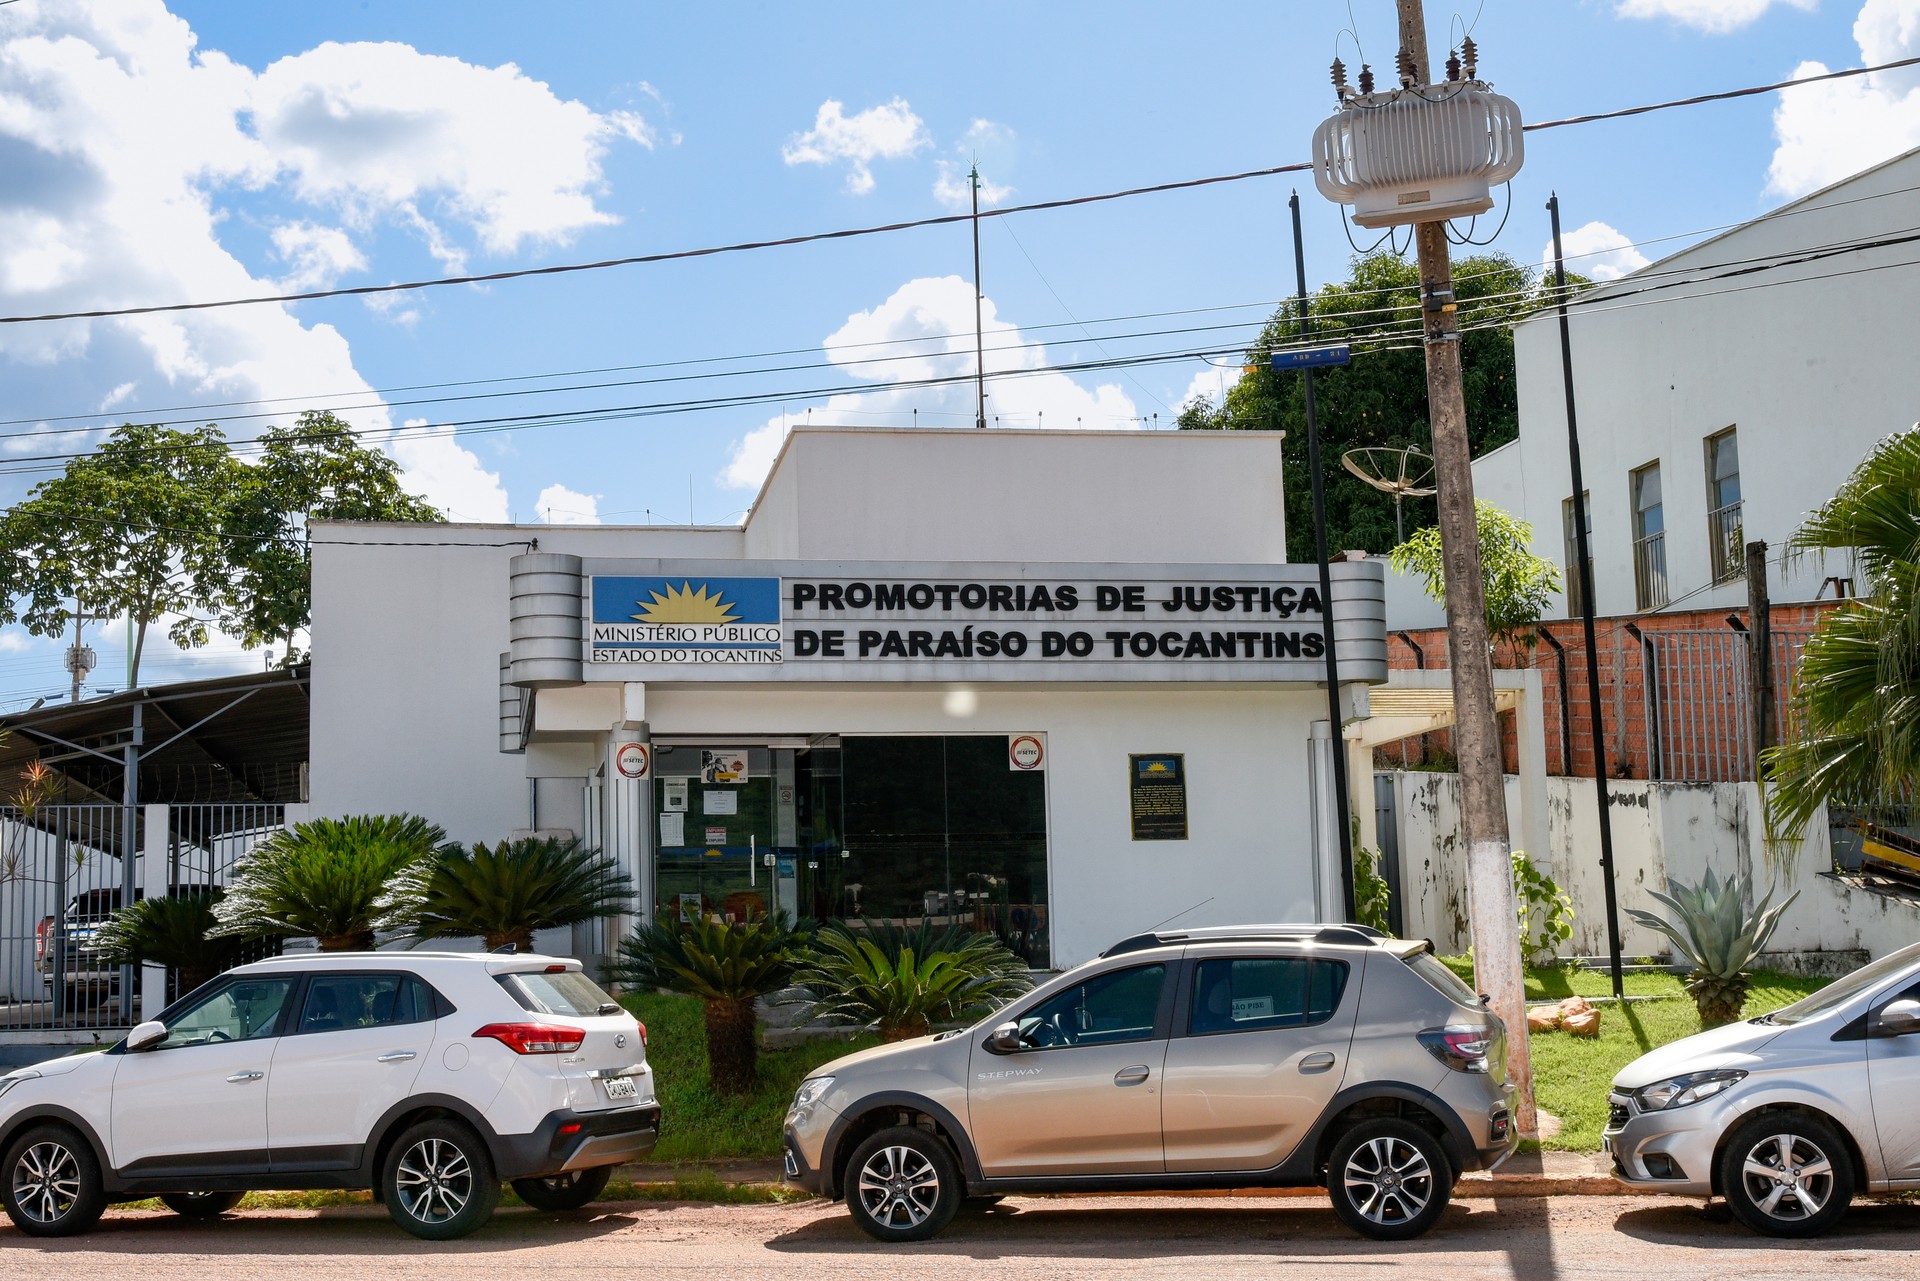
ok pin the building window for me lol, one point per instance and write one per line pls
(1574, 597)
(1726, 540)
(1649, 539)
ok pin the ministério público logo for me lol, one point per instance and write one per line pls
(685, 620)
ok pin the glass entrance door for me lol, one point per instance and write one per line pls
(717, 815)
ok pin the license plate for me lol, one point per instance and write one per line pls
(620, 1087)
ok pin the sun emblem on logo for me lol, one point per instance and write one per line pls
(683, 604)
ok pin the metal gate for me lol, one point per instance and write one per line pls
(63, 872)
(1698, 709)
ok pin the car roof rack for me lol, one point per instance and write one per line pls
(1303, 932)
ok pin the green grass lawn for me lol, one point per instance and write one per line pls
(1571, 1074)
(696, 1123)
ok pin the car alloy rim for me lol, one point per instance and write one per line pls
(1788, 1177)
(1389, 1180)
(898, 1187)
(46, 1182)
(434, 1180)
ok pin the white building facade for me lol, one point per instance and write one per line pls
(1722, 394)
(1060, 686)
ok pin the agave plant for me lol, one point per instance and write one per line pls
(503, 893)
(903, 982)
(728, 965)
(326, 879)
(1715, 931)
(172, 931)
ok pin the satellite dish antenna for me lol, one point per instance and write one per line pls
(1405, 473)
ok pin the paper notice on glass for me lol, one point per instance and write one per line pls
(715, 801)
(676, 794)
(673, 829)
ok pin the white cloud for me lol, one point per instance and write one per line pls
(1828, 131)
(449, 476)
(1596, 251)
(934, 315)
(558, 505)
(991, 146)
(316, 256)
(1211, 384)
(118, 396)
(888, 132)
(1716, 17)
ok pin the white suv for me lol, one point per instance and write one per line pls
(428, 1077)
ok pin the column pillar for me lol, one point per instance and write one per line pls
(628, 829)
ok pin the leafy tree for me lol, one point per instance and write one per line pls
(1381, 398)
(503, 893)
(326, 880)
(728, 965)
(131, 529)
(1519, 585)
(313, 470)
(1857, 693)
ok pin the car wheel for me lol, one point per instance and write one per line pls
(564, 1191)
(1787, 1174)
(1389, 1180)
(201, 1205)
(50, 1183)
(903, 1185)
(438, 1182)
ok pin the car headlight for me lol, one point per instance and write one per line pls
(1680, 1091)
(811, 1091)
(12, 1079)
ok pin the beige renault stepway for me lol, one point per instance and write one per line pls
(1251, 1056)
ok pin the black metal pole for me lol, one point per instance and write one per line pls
(1341, 798)
(1585, 570)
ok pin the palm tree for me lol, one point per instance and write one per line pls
(728, 965)
(326, 879)
(175, 931)
(505, 892)
(1856, 699)
(903, 982)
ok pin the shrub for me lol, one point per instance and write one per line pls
(1372, 896)
(728, 966)
(1546, 913)
(174, 931)
(1719, 936)
(503, 893)
(903, 982)
(326, 879)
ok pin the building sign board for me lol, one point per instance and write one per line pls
(632, 760)
(1026, 752)
(776, 620)
(1157, 796)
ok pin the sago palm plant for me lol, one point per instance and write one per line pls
(1856, 699)
(1713, 928)
(174, 931)
(503, 893)
(326, 879)
(901, 982)
(728, 966)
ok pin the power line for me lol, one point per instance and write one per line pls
(940, 220)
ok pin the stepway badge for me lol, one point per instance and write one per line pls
(652, 621)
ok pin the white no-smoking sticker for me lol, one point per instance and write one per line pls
(632, 760)
(1026, 751)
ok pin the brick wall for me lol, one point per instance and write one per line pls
(1623, 700)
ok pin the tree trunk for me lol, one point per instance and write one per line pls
(905, 1031)
(732, 1055)
(139, 647)
(357, 941)
(520, 937)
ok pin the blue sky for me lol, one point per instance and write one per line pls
(202, 150)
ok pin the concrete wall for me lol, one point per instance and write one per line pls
(1661, 832)
(1812, 372)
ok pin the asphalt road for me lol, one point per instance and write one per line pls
(1193, 1237)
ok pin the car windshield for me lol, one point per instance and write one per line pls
(1842, 990)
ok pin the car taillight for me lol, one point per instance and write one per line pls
(1464, 1049)
(534, 1038)
(643, 1034)
(40, 933)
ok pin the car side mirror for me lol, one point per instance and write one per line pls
(1004, 1039)
(1900, 1018)
(146, 1035)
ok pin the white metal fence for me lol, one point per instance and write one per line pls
(1698, 707)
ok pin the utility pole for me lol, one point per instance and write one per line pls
(1491, 911)
(979, 345)
(1584, 570)
(1759, 655)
